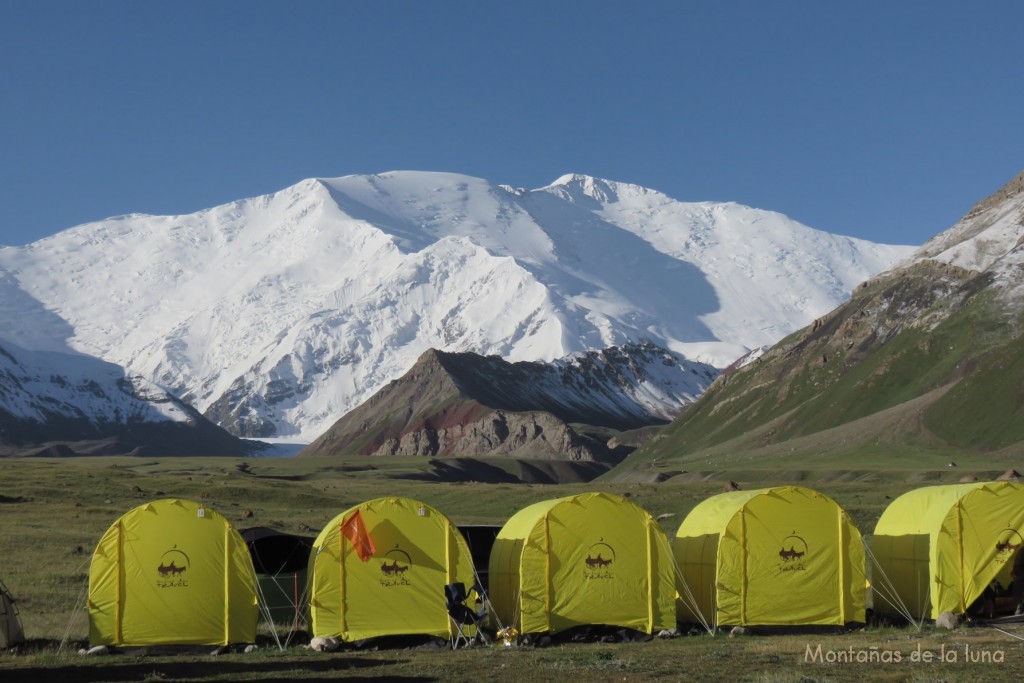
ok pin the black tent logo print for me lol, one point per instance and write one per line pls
(1008, 542)
(792, 553)
(173, 566)
(600, 560)
(394, 567)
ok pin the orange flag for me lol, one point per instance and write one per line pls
(355, 531)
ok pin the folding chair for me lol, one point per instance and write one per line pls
(461, 615)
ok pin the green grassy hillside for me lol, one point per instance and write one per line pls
(924, 361)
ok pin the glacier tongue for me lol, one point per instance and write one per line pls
(276, 315)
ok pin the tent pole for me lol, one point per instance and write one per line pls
(960, 552)
(227, 585)
(844, 557)
(651, 578)
(547, 570)
(119, 610)
(341, 581)
(448, 578)
(743, 567)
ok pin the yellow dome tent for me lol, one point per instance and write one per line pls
(937, 548)
(171, 572)
(780, 556)
(381, 568)
(592, 558)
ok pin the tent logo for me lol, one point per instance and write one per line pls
(1007, 543)
(600, 561)
(171, 572)
(394, 568)
(792, 554)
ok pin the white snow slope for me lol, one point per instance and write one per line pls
(43, 377)
(990, 238)
(287, 310)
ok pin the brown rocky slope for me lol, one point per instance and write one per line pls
(463, 404)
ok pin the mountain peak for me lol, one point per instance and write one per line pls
(577, 187)
(274, 315)
(575, 179)
(991, 231)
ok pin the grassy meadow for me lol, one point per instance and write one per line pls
(54, 512)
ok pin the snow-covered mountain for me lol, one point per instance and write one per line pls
(35, 385)
(987, 240)
(276, 315)
(91, 406)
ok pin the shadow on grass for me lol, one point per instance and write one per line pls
(200, 671)
(122, 668)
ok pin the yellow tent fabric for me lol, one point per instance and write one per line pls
(592, 558)
(781, 556)
(172, 572)
(400, 589)
(937, 548)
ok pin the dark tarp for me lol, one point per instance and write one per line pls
(277, 552)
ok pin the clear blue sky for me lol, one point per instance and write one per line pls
(880, 119)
